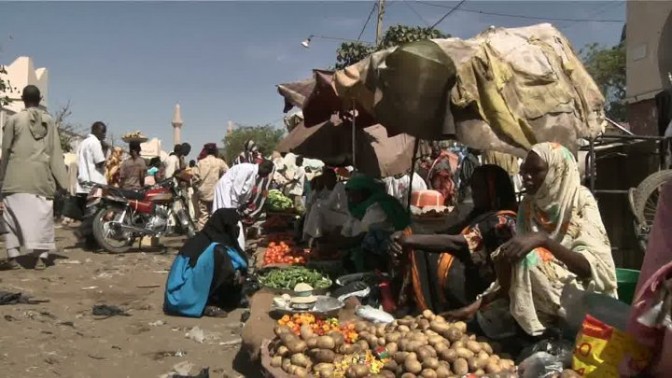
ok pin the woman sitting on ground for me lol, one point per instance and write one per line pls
(374, 217)
(459, 265)
(208, 272)
(560, 241)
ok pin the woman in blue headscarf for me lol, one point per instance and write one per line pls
(208, 270)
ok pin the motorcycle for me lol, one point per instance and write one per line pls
(120, 216)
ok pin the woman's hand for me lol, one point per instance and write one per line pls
(522, 244)
(464, 313)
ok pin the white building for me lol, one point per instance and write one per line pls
(20, 73)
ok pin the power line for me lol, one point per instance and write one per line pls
(416, 12)
(520, 15)
(367, 20)
(448, 13)
(597, 11)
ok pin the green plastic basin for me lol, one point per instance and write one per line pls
(627, 282)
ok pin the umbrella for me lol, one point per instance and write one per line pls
(377, 154)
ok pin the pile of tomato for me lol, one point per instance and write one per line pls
(319, 326)
(284, 253)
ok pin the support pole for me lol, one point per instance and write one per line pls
(379, 22)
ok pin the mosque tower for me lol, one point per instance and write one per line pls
(177, 125)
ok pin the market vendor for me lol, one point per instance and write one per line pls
(458, 264)
(374, 217)
(398, 186)
(560, 241)
(329, 212)
(209, 269)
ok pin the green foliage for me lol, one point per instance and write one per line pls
(352, 52)
(607, 67)
(266, 137)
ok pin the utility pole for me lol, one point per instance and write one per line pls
(379, 22)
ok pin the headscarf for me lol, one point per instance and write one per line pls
(501, 193)
(205, 151)
(249, 155)
(390, 205)
(222, 228)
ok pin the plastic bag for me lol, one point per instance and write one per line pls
(374, 315)
(600, 348)
(546, 358)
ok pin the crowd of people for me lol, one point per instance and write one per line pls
(503, 260)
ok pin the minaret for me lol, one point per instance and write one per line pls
(177, 125)
(229, 129)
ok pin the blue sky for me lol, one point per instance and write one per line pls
(128, 63)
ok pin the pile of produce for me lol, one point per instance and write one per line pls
(320, 253)
(284, 253)
(278, 237)
(288, 278)
(133, 136)
(426, 346)
(276, 201)
(276, 222)
(306, 323)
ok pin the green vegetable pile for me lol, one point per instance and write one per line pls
(288, 278)
(277, 201)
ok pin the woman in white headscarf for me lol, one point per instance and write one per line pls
(560, 241)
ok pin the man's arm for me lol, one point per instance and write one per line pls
(142, 172)
(98, 156)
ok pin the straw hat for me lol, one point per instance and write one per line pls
(303, 294)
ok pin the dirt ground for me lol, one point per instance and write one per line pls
(62, 338)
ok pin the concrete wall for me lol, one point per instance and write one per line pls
(649, 48)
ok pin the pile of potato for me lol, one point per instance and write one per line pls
(426, 346)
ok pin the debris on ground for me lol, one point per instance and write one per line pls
(196, 334)
(8, 298)
(107, 311)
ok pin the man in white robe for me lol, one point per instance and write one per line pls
(235, 189)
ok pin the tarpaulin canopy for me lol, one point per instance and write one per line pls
(376, 154)
(504, 89)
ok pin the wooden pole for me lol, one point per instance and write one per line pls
(379, 22)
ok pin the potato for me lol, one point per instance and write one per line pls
(380, 330)
(301, 360)
(449, 355)
(441, 346)
(412, 365)
(492, 359)
(475, 364)
(431, 363)
(296, 346)
(457, 344)
(413, 345)
(321, 355)
(346, 349)
(363, 345)
(408, 375)
(324, 369)
(276, 361)
(479, 372)
(485, 346)
(462, 326)
(423, 324)
(569, 373)
(361, 326)
(442, 372)
(391, 365)
(357, 371)
(282, 351)
(423, 354)
(312, 342)
(439, 327)
(430, 333)
(306, 332)
(506, 363)
(460, 366)
(372, 329)
(288, 338)
(491, 368)
(393, 337)
(453, 334)
(473, 346)
(388, 374)
(484, 356)
(392, 347)
(363, 335)
(400, 357)
(428, 373)
(299, 372)
(464, 353)
(281, 330)
(338, 338)
(403, 329)
(433, 340)
(405, 321)
(428, 314)
(286, 365)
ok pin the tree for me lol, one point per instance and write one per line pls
(67, 131)
(607, 67)
(266, 138)
(352, 52)
(4, 88)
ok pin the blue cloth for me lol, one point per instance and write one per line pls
(187, 288)
(238, 262)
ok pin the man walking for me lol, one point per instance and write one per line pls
(32, 168)
(209, 170)
(91, 169)
(132, 171)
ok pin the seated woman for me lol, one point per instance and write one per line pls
(209, 269)
(329, 210)
(560, 241)
(462, 268)
(374, 217)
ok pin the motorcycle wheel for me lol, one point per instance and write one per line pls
(185, 223)
(103, 234)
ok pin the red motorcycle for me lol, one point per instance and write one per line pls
(122, 216)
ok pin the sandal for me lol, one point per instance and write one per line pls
(214, 312)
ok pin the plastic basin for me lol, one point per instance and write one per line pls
(627, 282)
